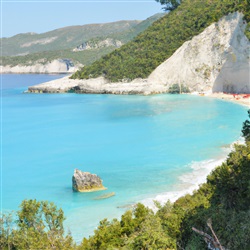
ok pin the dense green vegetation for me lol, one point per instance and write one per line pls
(39, 225)
(138, 58)
(169, 4)
(178, 89)
(224, 199)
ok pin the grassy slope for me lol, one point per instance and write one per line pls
(67, 37)
(141, 56)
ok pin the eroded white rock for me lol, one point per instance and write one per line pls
(217, 59)
(55, 66)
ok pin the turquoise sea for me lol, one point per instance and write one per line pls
(143, 147)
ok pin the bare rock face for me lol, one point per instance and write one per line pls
(55, 66)
(86, 182)
(216, 60)
(90, 45)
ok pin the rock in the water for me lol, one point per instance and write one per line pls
(86, 182)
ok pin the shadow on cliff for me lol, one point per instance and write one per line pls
(234, 77)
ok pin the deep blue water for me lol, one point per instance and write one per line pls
(138, 145)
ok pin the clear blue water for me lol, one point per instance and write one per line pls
(138, 145)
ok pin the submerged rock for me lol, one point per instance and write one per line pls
(105, 196)
(86, 182)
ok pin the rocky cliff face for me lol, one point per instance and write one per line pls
(86, 182)
(56, 66)
(109, 42)
(216, 60)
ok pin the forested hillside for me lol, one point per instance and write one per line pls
(138, 58)
(221, 204)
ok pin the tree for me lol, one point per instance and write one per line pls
(6, 226)
(178, 89)
(39, 226)
(246, 128)
(169, 4)
(152, 235)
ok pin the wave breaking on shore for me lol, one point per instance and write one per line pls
(189, 182)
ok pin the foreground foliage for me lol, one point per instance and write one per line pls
(39, 225)
(224, 199)
(138, 58)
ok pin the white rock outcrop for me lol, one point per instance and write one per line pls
(55, 66)
(90, 45)
(216, 60)
(97, 86)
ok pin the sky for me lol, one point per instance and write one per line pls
(44, 15)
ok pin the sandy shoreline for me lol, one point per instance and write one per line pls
(188, 182)
(242, 99)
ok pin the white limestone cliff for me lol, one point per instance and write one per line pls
(55, 66)
(216, 60)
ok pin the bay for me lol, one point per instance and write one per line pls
(141, 146)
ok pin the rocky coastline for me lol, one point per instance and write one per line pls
(98, 86)
(59, 66)
(215, 61)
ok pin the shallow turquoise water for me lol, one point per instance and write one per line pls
(138, 145)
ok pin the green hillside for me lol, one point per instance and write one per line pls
(138, 58)
(123, 31)
(60, 39)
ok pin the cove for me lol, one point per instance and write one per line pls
(141, 147)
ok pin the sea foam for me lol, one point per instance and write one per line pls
(189, 182)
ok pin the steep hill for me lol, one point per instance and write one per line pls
(138, 58)
(80, 44)
(73, 36)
